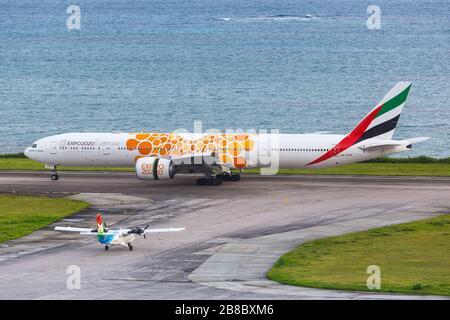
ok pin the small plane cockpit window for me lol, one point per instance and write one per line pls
(34, 145)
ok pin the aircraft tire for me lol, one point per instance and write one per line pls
(218, 180)
(210, 181)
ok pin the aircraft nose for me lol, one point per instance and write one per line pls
(28, 153)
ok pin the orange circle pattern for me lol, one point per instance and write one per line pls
(230, 148)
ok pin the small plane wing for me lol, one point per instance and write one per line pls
(85, 231)
(164, 230)
(72, 229)
(88, 231)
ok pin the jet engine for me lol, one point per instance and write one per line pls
(153, 168)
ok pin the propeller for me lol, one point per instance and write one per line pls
(139, 231)
(145, 237)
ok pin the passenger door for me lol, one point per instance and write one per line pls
(264, 145)
(54, 147)
(106, 149)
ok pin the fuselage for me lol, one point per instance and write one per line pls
(114, 238)
(160, 156)
(235, 150)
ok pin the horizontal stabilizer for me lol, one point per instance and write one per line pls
(416, 140)
(384, 144)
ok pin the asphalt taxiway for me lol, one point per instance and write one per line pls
(234, 232)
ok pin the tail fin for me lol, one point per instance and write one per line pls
(379, 123)
(382, 120)
(100, 226)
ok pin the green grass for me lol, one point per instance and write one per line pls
(419, 159)
(414, 258)
(424, 166)
(13, 155)
(21, 215)
(375, 169)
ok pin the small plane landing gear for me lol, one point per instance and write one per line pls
(130, 247)
(106, 248)
(210, 180)
(54, 176)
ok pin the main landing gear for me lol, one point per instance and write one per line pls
(217, 180)
(232, 177)
(130, 247)
(210, 181)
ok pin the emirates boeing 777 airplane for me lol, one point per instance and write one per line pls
(160, 156)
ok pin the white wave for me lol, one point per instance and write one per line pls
(280, 17)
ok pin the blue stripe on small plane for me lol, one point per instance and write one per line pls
(105, 239)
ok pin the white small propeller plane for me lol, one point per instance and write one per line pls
(109, 237)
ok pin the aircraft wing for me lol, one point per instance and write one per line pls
(202, 162)
(195, 158)
(88, 231)
(73, 229)
(199, 163)
(164, 230)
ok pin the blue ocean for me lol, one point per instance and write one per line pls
(159, 65)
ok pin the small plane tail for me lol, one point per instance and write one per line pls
(382, 120)
(100, 225)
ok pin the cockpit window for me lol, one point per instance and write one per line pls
(34, 145)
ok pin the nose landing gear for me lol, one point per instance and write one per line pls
(54, 175)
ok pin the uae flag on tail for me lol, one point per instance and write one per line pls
(380, 123)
